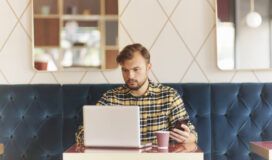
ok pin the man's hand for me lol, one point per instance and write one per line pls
(182, 136)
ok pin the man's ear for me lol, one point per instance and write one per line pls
(149, 65)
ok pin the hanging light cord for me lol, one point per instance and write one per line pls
(251, 5)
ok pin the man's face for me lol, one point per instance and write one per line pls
(135, 71)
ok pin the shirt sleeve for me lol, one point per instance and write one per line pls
(178, 112)
(104, 100)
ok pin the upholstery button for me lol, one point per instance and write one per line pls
(35, 97)
(11, 136)
(47, 116)
(75, 117)
(249, 154)
(23, 117)
(11, 98)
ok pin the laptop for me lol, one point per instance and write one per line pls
(112, 126)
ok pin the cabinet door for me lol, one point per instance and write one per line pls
(46, 32)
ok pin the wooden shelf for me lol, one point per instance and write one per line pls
(47, 47)
(51, 16)
(99, 14)
(89, 17)
(81, 17)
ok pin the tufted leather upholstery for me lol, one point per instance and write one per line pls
(31, 121)
(39, 121)
(240, 113)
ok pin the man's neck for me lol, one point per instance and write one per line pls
(141, 91)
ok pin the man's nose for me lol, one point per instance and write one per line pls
(131, 74)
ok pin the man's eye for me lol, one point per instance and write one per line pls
(124, 70)
(136, 69)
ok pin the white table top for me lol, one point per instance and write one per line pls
(174, 152)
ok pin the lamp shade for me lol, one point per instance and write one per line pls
(253, 19)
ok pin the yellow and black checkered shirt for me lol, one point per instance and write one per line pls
(160, 107)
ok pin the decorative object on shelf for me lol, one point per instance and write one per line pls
(71, 10)
(45, 10)
(253, 18)
(41, 61)
(86, 12)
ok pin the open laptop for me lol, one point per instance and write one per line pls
(112, 126)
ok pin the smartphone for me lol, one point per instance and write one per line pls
(180, 122)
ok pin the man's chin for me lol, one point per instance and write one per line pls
(132, 87)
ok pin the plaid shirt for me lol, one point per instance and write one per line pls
(160, 108)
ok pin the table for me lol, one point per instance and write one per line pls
(174, 152)
(1, 149)
(262, 148)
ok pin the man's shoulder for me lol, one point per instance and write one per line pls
(117, 90)
(158, 87)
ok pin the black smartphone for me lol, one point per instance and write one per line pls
(180, 122)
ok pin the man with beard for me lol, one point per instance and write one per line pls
(160, 106)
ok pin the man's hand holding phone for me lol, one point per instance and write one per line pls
(181, 131)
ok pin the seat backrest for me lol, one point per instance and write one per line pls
(240, 113)
(40, 121)
(31, 121)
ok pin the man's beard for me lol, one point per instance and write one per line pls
(135, 81)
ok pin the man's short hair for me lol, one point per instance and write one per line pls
(128, 52)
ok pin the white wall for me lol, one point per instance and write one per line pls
(179, 33)
(252, 52)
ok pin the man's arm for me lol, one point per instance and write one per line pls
(178, 112)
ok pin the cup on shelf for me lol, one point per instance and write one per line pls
(41, 61)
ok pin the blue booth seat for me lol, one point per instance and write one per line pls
(31, 121)
(240, 113)
(38, 122)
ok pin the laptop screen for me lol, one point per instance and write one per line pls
(111, 126)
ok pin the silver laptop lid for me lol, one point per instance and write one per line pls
(111, 126)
